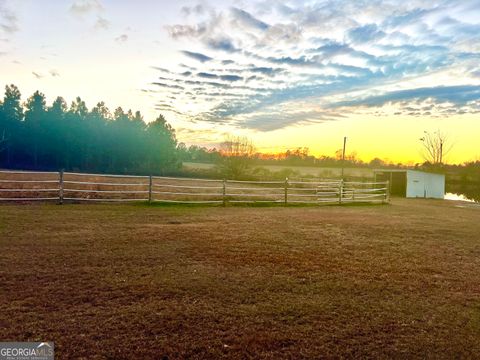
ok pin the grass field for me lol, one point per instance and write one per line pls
(138, 281)
(309, 171)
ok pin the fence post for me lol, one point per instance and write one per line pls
(387, 191)
(340, 192)
(286, 191)
(150, 189)
(224, 192)
(60, 189)
(353, 193)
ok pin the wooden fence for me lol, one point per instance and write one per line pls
(78, 187)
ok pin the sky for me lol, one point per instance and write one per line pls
(285, 74)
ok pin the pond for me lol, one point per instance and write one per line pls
(463, 192)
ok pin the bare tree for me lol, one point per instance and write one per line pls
(237, 152)
(436, 146)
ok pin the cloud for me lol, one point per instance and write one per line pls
(37, 75)
(221, 44)
(161, 69)
(188, 67)
(271, 119)
(178, 31)
(459, 95)
(269, 71)
(102, 23)
(198, 9)
(365, 33)
(288, 33)
(311, 61)
(84, 7)
(91, 10)
(248, 20)
(8, 20)
(331, 48)
(122, 38)
(207, 75)
(284, 9)
(197, 56)
(54, 73)
(405, 18)
(287, 60)
(168, 86)
(231, 77)
(205, 83)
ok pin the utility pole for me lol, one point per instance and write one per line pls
(441, 151)
(343, 154)
(340, 195)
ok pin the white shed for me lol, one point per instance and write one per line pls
(413, 183)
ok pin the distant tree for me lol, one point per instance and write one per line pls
(377, 162)
(11, 117)
(11, 106)
(182, 152)
(298, 156)
(100, 111)
(236, 156)
(350, 158)
(74, 138)
(161, 141)
(436, 146)
(56, 130)
(35, 116)
(94, 125)
(79, 108)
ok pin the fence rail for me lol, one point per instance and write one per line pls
(77, 187)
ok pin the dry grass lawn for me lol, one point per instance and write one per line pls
(151, 282)
(322, 172)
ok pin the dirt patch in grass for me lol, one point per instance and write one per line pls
(136, 281)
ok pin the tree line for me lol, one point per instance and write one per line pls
(292, 157)
(34, 135)
(40, 136)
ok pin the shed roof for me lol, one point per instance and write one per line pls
(405, 170)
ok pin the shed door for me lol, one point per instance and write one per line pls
(435, 186)
(397, 181)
